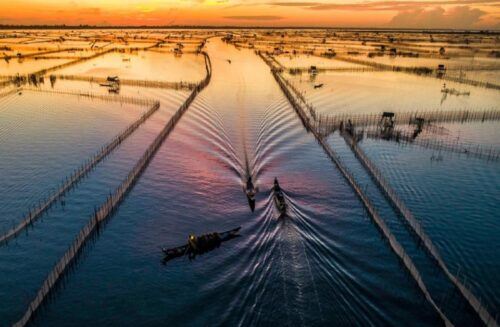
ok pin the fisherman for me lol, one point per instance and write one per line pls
(350, 127)
(201, 244)
(193, 243)
(277, 187)
(249, 183)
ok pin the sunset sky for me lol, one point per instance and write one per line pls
(335, 13)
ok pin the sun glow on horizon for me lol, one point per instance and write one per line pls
(470, 14)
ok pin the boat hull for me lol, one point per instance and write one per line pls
(279, 201)
(171, 253)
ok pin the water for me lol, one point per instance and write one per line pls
(374, 92)
(464, 235)
(43, 245)
(26, 66)
(141, 66)
(44, 137)
(325, 263)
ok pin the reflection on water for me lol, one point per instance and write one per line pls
(451, 63)
(26, 66)
(43, 137)
(142, 66)
(324, 262)
(374, 92)
(308, 61)
(309, 268)
(463, 235)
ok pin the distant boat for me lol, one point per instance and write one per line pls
(313, 70)
(317, 86)
(114, 79)
(453, 91)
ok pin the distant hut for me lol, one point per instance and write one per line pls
(441, 70)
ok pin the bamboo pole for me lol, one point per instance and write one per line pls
(35, 212)
(109, 206)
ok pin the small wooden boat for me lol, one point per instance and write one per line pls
(171, 253)
(279, 201)
(250, 192)
(317, 86)
(279, 198)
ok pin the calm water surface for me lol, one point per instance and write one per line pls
(324, 263)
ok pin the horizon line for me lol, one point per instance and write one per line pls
(347, 28)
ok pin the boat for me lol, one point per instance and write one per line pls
(113, 83)
(114, 89)
(453, 91)
(215, 240)
(317, 86)
(250, 191)
(113, 79)
(279, 198)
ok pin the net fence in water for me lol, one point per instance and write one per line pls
(397, 203)
(111, 204)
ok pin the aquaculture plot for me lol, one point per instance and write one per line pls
(44, 138)
(46, 242)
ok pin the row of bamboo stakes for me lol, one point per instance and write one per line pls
(141, 83)
(43, 205)
(379, 222)
(329, 123)
(91, 95)
(416, 228)
(418, 71)
(10, 91)
(470, 150)
(36, 54)
(132, 82)
(109, 206)
(487, 319)
(70, 181)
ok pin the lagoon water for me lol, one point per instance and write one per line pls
(325, 263)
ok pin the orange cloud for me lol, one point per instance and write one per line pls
(349, 13)
(456, 17)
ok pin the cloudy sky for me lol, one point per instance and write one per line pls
(462, 14)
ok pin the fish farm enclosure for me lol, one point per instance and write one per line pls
(356, 174)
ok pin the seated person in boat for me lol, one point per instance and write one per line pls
(204, 243)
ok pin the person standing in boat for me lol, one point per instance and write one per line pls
(249, 183)
(277, 187)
